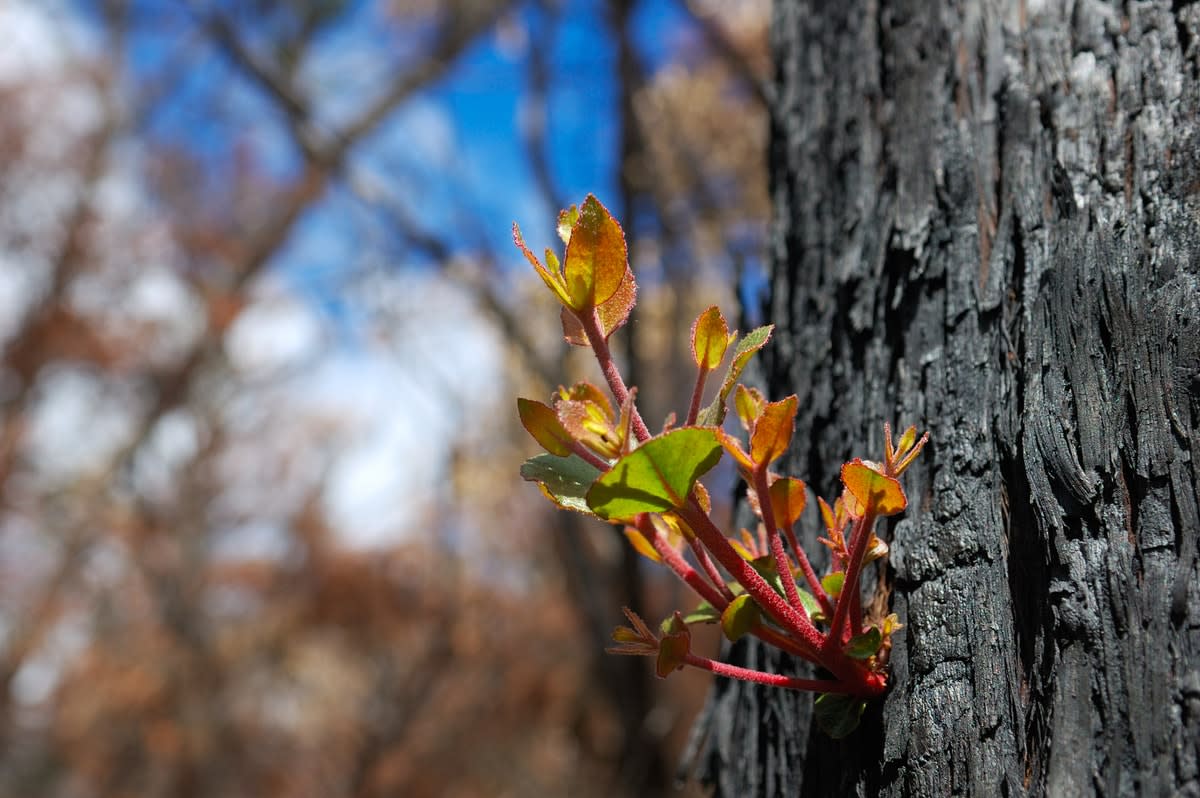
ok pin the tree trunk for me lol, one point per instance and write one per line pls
(988, 224)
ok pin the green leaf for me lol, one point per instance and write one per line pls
(704, 613)
(739, 617)
(564, 480)
(657, 476)
(811, 606)
(838, 715)
(865, 645)
(765, 566)
(714, 414)
(710, 339)
(833, 583)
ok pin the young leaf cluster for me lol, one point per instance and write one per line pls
(602, 460)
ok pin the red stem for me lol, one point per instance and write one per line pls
(782, 641)
(590, 456)
(616, 383)
(674, 560)
(782, 563)
(772, 679)
(697, 396)
(710, 568)
(793, 620)
(862, 532)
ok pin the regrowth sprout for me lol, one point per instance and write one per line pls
(602, 460)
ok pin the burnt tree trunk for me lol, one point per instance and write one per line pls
(988, 224)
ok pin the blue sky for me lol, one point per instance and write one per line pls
(452, 156)
(453, 153)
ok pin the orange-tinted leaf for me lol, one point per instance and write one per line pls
(586, 422)
(773, 430)
(788, 498)
(542, 423)
(826, 513)
(674, 647)
(674, 527)
(702, 497)
(869, 489)
(710, 339)
(635, 641)
(623, 634)
(876, 550)
(734, 447)
(743, 551)
(613, 313)
(596, 259)
(640, 544)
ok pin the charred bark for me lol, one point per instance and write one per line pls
(988, 224)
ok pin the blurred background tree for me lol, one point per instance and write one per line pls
(261, 531)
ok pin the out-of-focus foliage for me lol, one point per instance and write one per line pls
(259, 533)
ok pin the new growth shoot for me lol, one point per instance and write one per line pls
(602, 460)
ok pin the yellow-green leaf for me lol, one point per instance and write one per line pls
(552, 279)
(832, 583)
(740, 617)
(704, 613)
(748, 404)
(710, 339)
(657, 476)
(872, 490)
(714, 414)
(812, 607)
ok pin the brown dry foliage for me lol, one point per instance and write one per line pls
(147, 650)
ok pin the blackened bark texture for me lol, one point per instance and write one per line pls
(988, 224)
